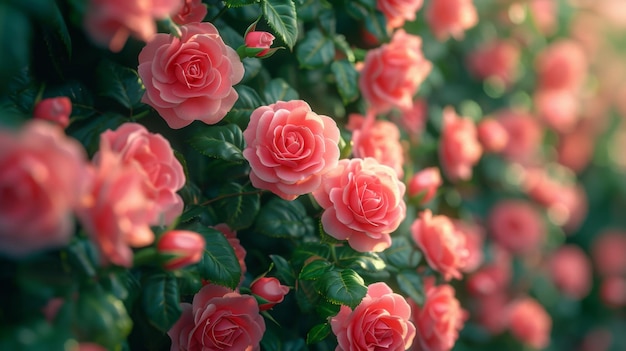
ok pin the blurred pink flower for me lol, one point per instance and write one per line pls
(398, 11)
(185, 246)
(530, 323)
(451, 18)
(558, 109)
(57, 110)
(492, 135)
(381, 140)
(192, 11)
(494, 277)
(561, 66)
(570, 270)
(459, 149)
(517, 226)
(425, 184)
(608, 251)
(495, 59)
(525, 135)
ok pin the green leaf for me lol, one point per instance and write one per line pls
(56, 37)
(239, 3)
(16, 34)
(402, 254)
(222, 142)
(315, 50)
(119, 83)
(411, 284)
(344, 287)
(284, 219)
(281, 16)
(279, 90)
(247, 102)
(318, 333)
(99, 317)
(376, 23)
(252, 67)
(315, 270)
(284, 272)
(346, 78)
(369, 261)
(237, 205)
(307, 251)
(88, 130)
(161, 300)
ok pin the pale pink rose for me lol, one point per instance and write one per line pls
(240, 252)
(380, 321)
(425, 184)
(491, 312)
(494, 277)
(544, 14)
(530, 323)
(570, 270)
(57, 110)
(451, 18)
(517, 226)
(613, 291)
(393, 72)
(474, 240)
(439, 320)
(259, 40)
(381, 141)
(270, 289)
(192, 11)
(495, 59)
(398, 11)
(190, 78)
(115, 212)
(492, 135)
(414, 118)
(459, 149)
(289, 148)
(442, 244)
(363, 203)
(561, 66)
(558, 109)
(161, 172)
(609, 252)
(525, 135)
(111, 22)
(41, 172)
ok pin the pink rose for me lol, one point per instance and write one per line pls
(41, 172)
(259, 40)
(218, 319)
(184, 248)
(493, 277)
(363, 203)
(398, 11)
(524, 133)
(495, 59)
(270, 289)
(289, 148)
(491, 312)
(442, 244)
(613, 291)
(414, 118)
(459, 149)
(240, 252)
(575, 149)
(451, 18)
(561, 66)
(439, 320)
(111, 22)
(609, 252)
(544, 14)
(492, 135)
(162, 173)
(425, 184)
(392, 73)
(192, 11)
(517, 226)
(190, 78)
(530, 323)
(474, 241)
(380, 321)
(559, 109)
(57, 110)
(570, 270)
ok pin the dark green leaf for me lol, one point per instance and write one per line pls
(369, 261)
(315, 270)
(82, 254)
(315, 50)
(308, 251)
(278, 90)
(57, 38)
(318, 333)
(284, 272)
(239, 3)
(16, 33)
(346, 78)
(402, 254)
(376, 24)
(88, 131)
(411, 284)
(310, 10)
(281, 16)
(238, 205)
(161, 300)
(326, 309)
(248, 101)
(284, 219)
(221, 142)
(252, 66)
(100, 318)
(119, 83)
(344, 287)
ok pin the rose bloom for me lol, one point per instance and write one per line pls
(414, 118)
(575, 149)
(381, 141)
(392, 73)
(451, 18)
(380, 321)
(289, 147)
(111, 22)
(259, 40)
(570, 270)
(192, 11)
(190, 78)
(474, 240)
(530, 323)
(439, 320)
(524, 133)
(41, 172)
(517, 226)
(558, 109)
(544, 14)
(442, 244)
(363, 203)
(494, 277)
(218, 319)
(608, 251)
(613, 291)
(495, 59)
(490, 312)
(459, 149)
(161, 172)
(398, 11)
(57, 110)
(492, 135)
(561, 66)
(425, 184)
(240, 252)
(270, 289)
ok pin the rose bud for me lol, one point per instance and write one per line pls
(183, 248)
(57, 110)
(259, 40)
(270, 289)
(425, 183)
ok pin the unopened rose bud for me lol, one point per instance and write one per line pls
(182, 246)
(425, 183)
(259, 40)
(270, 289)
(57, 110)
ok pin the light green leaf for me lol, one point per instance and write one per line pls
(316, 50)
(161, 300)
(281, 16)
(222, 142)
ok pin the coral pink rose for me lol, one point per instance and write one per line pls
(451, 18)
(558, 109)
(240, 252)
(398, 11)
(544, 14)
(474, 240)
(425, 184)
(561, 66)
(442, 244)
(459, 149)
(524, 133)
(530, 323)
(491, 312)
(609, 252)
(270, 289)
(380, 321)
(570, 270)
(111, 22)
(192, 11)
(363, 203)
(57, 110)
(613, 291)
(492, 135)
(517, 226)
(392, 73)
(495, 59)
(439, 320)
(575, 149)
(161, 172)
(414, 118)
(190, 78)
(289, 147)
(259, 40)
(41, 172)
(218, 319)
(182, 247)
(493, 277)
